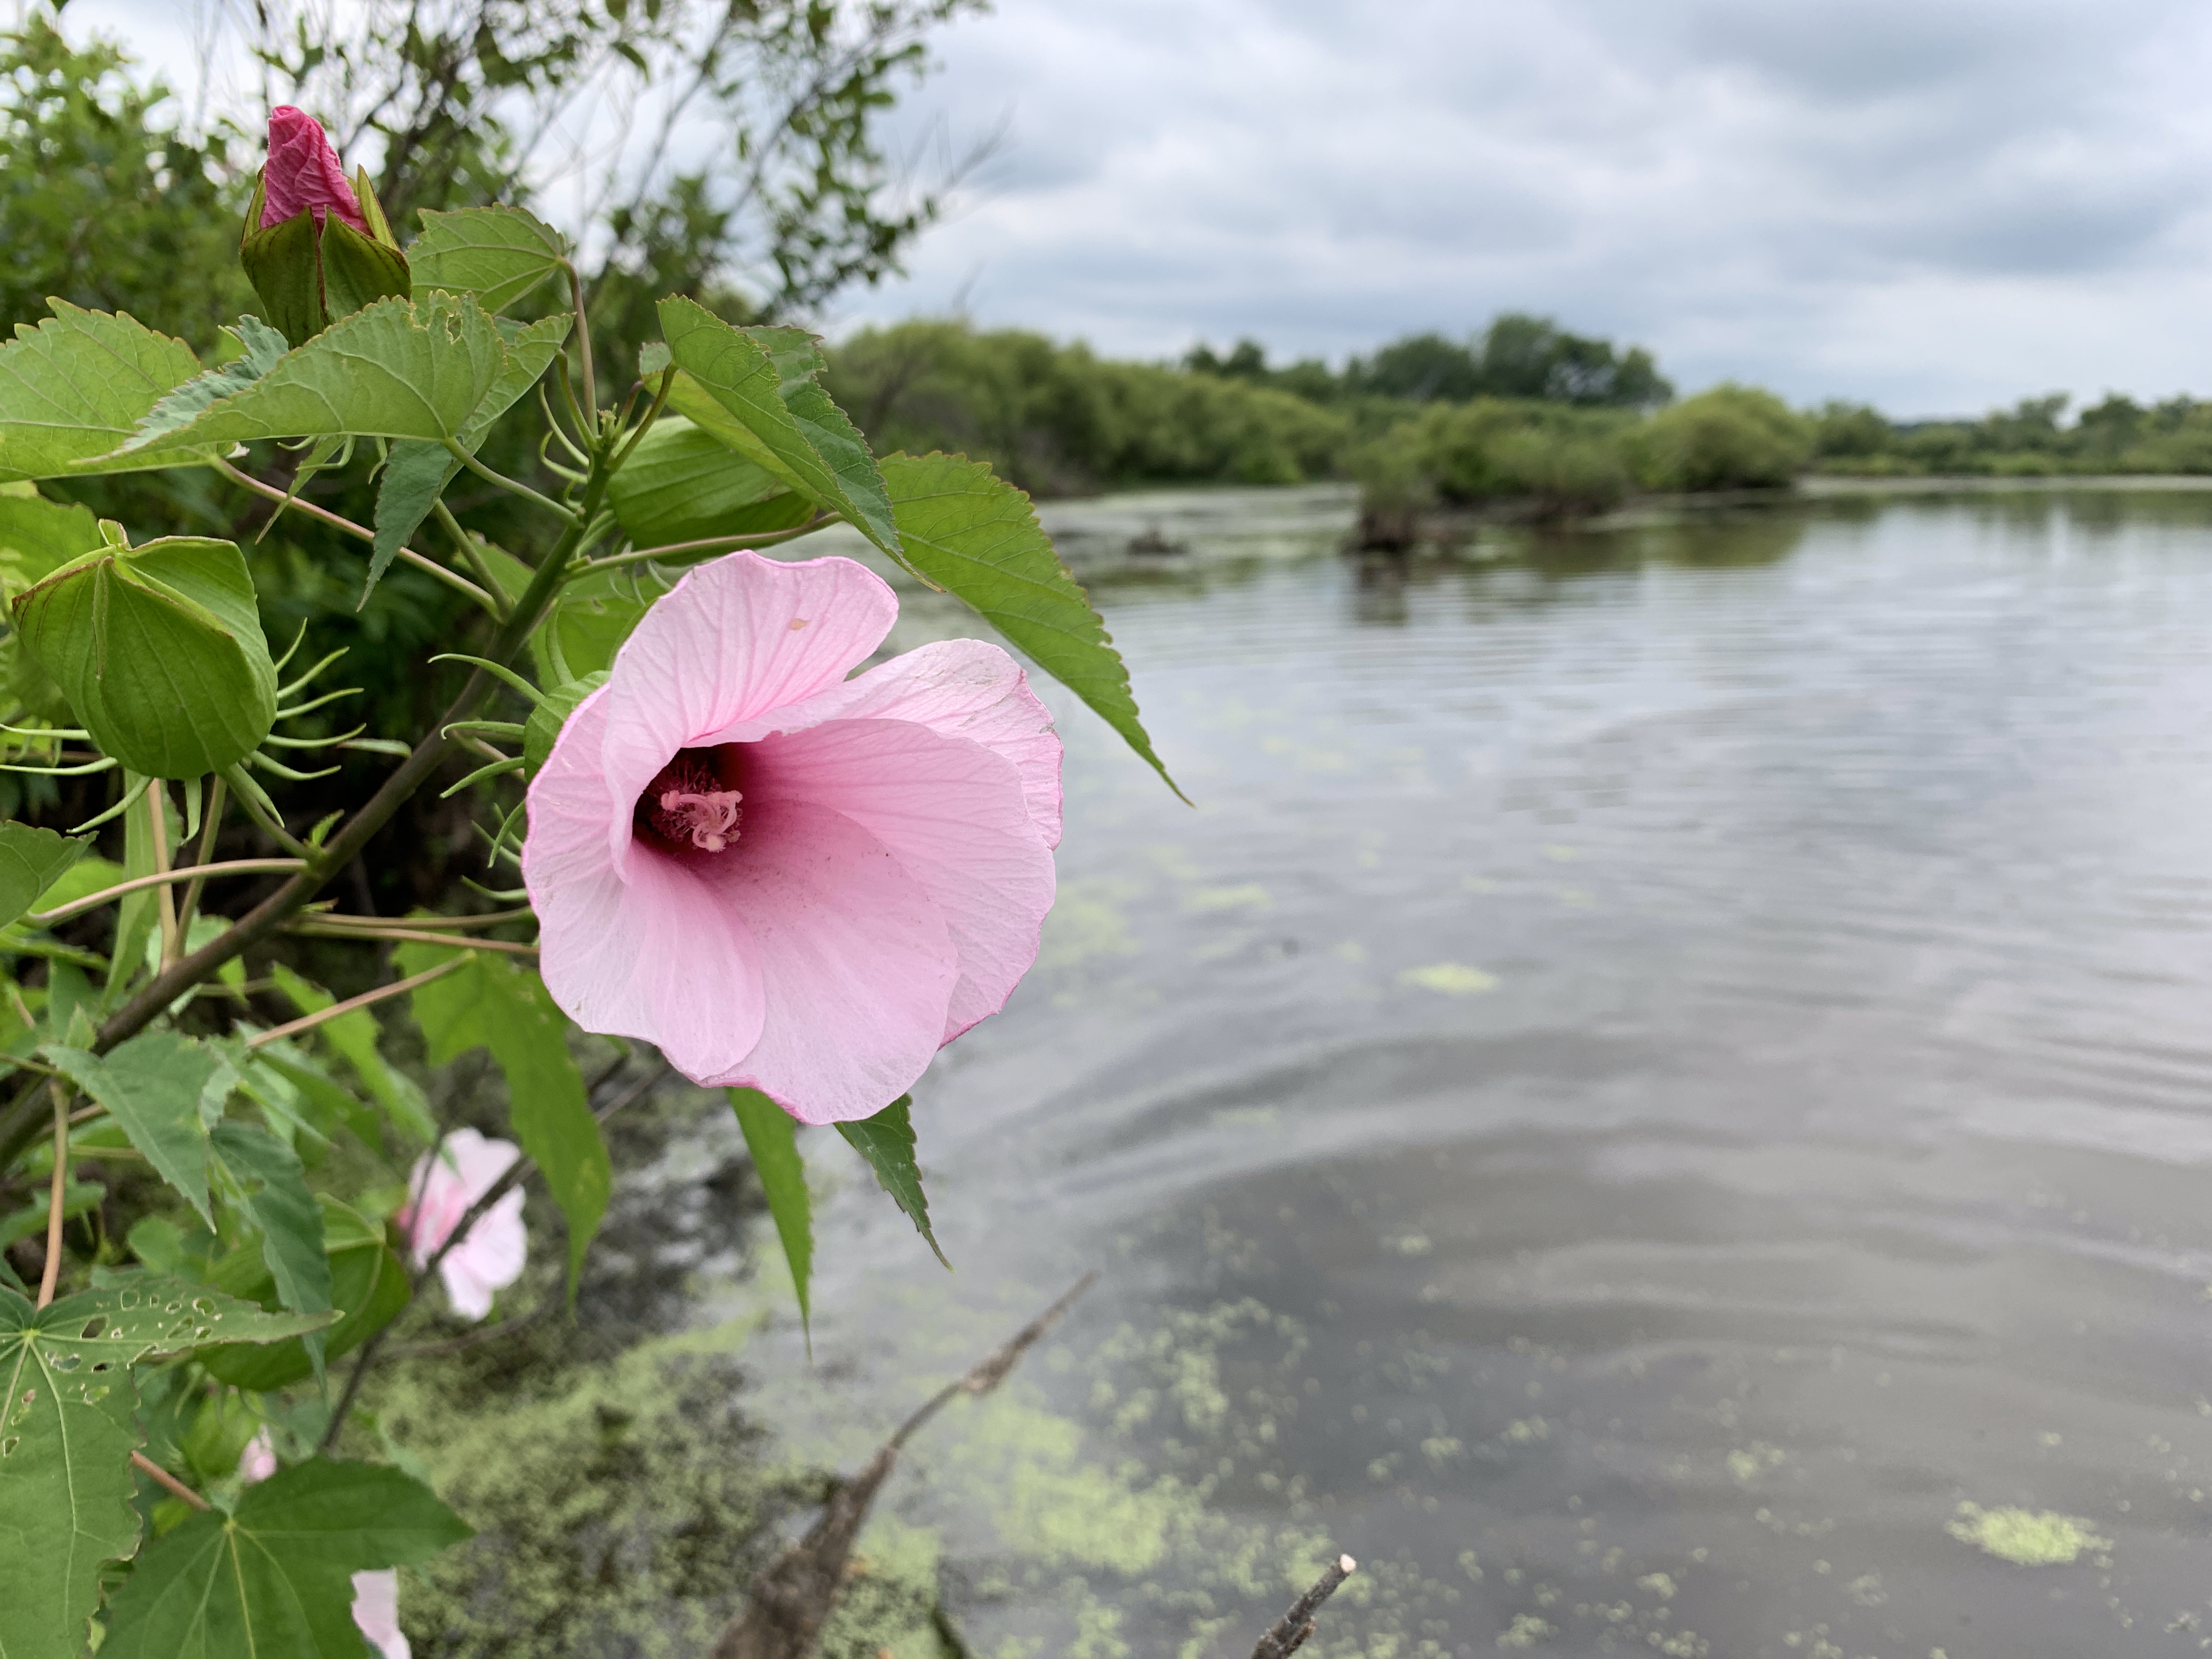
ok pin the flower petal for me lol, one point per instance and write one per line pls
(960, 688)
(489, 1260)
(661, 957)
(856, 966)
(954, 814)
(731, 640)
(376, 1613)
(304, 172)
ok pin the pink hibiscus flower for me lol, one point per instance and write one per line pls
(491, 1257)
(782, 878)
(375, 1595)
(304, 172)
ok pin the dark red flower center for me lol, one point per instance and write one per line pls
(690, 806)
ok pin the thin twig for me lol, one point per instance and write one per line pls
(161, 1477)
(382, 993)
(1289, 1632)
(711, 544)
(312, 929)
(452, 579)
(51, 1276)
(791, 1602)
(157, 801)
(494, 919)
(109, 895)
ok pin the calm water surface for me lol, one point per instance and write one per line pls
(1661, 1099)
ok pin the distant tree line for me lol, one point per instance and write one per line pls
(2030, 440)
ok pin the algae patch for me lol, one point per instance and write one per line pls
(1450, 979)
(2027, 1538)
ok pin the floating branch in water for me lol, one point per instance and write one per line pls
(793, 1599)
(1291, 1630)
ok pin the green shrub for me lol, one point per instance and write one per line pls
(1732, 437)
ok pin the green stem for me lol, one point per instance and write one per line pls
(583, 343)
(709, 544)
(470, 550)
(500, 481)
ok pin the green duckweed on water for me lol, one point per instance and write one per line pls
(2026, 1538)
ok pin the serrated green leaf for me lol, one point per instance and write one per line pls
(887, 1141)
(38, 536)
(499, 254)
(160, 651)
(354, 1036)
(398, 368)
(31, 861)
(977, 537)
(731, 387)
(369, 1286)
(416, 472)
(67, 1430)
(262, 348)
(273, 1578)
(75, 386)
(773, 1139)
(681, 484)
(151, 1087)
(273, 1192)
(490, 1002)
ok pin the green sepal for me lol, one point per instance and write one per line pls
(282, 263)
(160, 652)
(358, 271)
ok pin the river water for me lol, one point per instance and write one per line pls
(1660, 1097)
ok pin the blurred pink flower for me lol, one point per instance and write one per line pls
(375, 1595)
(785, 879)
(304, 172)
(376, 1611)
(490, 1257)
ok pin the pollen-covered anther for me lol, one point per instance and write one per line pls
(684, 807)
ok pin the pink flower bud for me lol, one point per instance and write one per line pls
(304, 172)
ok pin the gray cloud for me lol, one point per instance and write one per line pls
(1939, 206)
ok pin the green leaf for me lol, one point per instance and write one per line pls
(38, 536)
(273, 1192)
(681, 484)
(263, 347)
(773, 1139)
(354, 1036)
(74, 388)
(151, 1087)
(977, 537)
(545, 720)
(416, 473)
(887, 1141)
(398, 369)
(490, 1002)
(497, 253)
(67, 1432)
(273, 1579)
(732, 389)
(369, 1285)
(160, 651)
(31, 861)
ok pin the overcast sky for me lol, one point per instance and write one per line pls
(1938, 206)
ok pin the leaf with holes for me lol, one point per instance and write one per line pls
(275, 1577)
(398, 368)
(977, 537)
(499, 254)
(67, 1429)
(887, 1141)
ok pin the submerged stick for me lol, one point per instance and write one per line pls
(1291, 1630)
(791, 1602)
